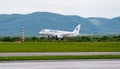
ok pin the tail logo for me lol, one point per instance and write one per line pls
(76, 28)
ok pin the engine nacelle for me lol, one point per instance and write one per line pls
(59, 36)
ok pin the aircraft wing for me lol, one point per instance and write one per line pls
(67, 34)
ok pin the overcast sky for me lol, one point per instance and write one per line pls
(84, 8)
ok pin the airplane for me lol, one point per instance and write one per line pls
(60, 34)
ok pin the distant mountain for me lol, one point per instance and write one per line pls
(106, 26)
(10, 25)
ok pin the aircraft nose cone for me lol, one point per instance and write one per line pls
(40, 32)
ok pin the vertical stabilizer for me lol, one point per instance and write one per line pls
(77, 29)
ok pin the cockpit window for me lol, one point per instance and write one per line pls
(45, 30)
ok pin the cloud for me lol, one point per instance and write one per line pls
(85, 8)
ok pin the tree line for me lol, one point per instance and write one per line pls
(76, 39)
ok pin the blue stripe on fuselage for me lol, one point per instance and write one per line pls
(54, 31)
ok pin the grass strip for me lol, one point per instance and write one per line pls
(58, 57)
(60, 47)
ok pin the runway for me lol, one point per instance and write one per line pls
(62, 64)
(59, 53)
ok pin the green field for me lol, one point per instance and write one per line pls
(58, 57)
(60, 47)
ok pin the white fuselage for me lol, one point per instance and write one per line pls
(60, 34)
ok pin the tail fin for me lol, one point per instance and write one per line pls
(77, 29)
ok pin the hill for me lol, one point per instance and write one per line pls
(10, 24)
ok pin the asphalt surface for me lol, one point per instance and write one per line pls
(59, 53)
(62, 64)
